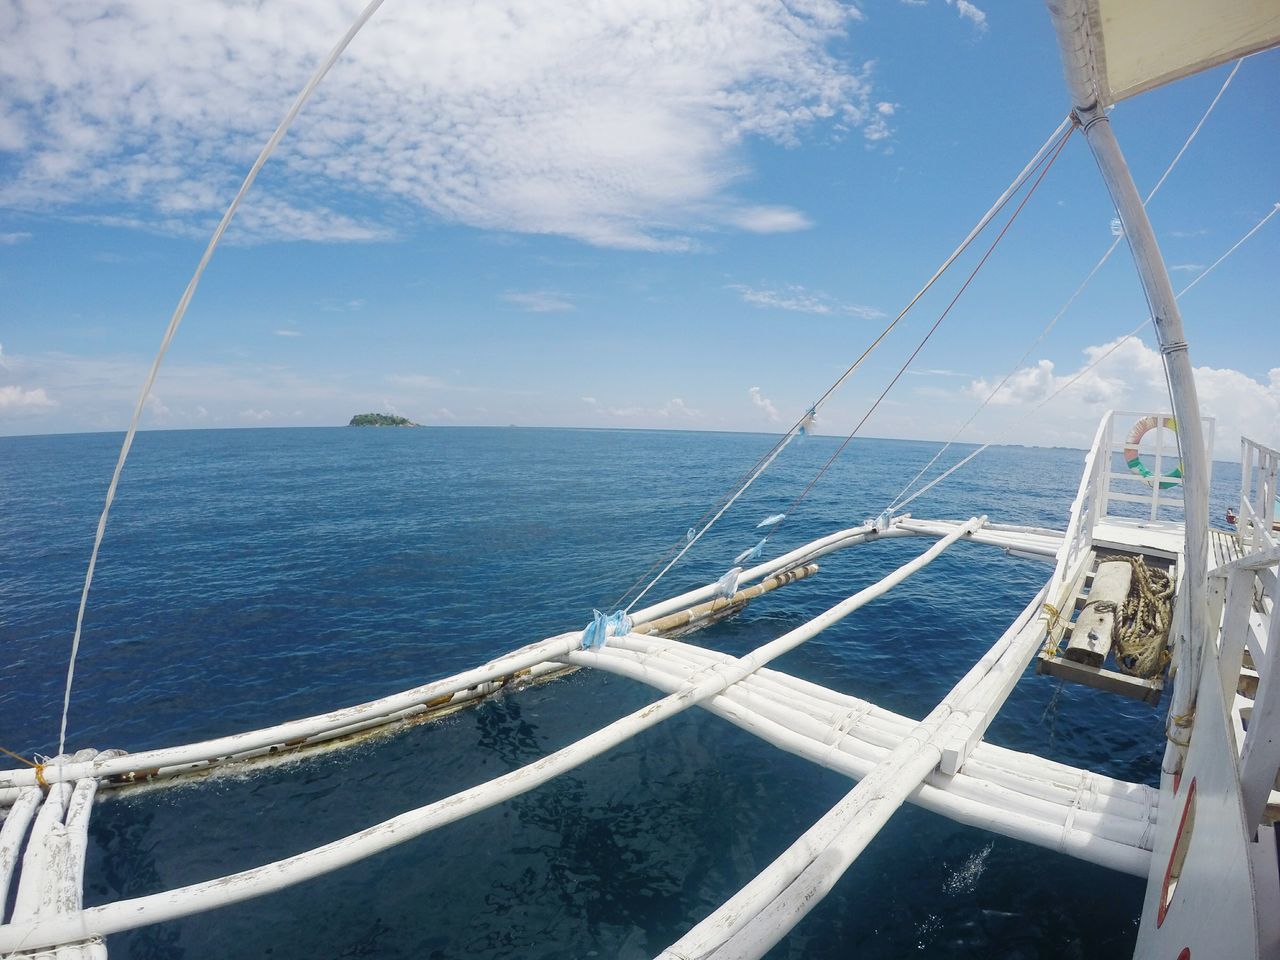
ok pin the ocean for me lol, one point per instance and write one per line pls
(254, 576)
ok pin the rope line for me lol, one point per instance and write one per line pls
(1076, 378)
(1062, 142)
(174, 321)
(1143, 620)
(680, 548)
(1074, 296)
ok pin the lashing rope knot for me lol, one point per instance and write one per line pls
(602, 627)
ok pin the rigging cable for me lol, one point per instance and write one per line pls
(1070, 300)
(1076, 378)
(920, 346)
(179, 312)
(680, 548)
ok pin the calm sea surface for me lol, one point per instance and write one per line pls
(253, 576)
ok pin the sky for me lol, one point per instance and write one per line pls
(620, 213)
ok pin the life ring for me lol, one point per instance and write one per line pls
(1133, 458)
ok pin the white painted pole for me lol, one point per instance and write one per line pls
(200, 756)
(196, 898)
(1186, 409)
(1071, 24)
(1076, 820)
(758, 916)
(12, 834)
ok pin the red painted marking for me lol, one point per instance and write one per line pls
(1168, 870)
(1185, 954)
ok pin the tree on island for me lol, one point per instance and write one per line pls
(380, 420)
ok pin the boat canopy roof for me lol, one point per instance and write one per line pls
(1113, 49)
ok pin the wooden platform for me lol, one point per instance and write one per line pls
(1050, 660)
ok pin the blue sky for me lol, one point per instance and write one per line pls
(613, 214)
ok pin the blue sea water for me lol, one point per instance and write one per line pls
(253, 576)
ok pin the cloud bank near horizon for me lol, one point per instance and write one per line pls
(61, 392)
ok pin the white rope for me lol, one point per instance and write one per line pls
(1072, 299)
(981, 225)
(1075, 379)
(176, 320)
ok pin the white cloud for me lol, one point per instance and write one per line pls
(15, 398)
(675, 408)
(970, 12)
(338, 305)
(764, 404)
(1132, 378)
(770, 220)
(288, 333)
(157, 409)
(11, 239)
(799, 300)
(939, 373)
(539, 301)
(877, 127)
(1186, 267)
(599, 121)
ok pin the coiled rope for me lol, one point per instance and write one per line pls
(1141, 639)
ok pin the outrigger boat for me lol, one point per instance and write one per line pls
(1145, 600)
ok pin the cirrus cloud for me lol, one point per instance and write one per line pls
(598, 121)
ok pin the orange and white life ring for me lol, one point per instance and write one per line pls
(1133, 459)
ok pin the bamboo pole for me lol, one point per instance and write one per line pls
(345, 722)
(880, 729)
(1072, 820)
(723, 605)
(12, 834)
(211, 894)
(760, 914)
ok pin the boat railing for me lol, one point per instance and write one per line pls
(1245, 591)
(1243, 594)
(1112, 489)
(1151, 492)
(1090, 503)
(1259, 466)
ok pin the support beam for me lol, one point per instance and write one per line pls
(755, 919)
(1260, 760)
(211, 894)
(1186, 409)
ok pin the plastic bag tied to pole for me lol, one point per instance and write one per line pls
(752, 554)
(770, 520)
(602, 627)
(806, 424)
(727, 585)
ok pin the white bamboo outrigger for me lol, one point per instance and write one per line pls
(1204, 838)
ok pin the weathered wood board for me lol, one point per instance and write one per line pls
(1095, 626)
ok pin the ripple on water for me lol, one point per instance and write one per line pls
(257, 575)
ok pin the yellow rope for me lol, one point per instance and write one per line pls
(20, 758)
(1052, 616)
(39, 767)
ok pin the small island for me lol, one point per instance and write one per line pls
(380, 420)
